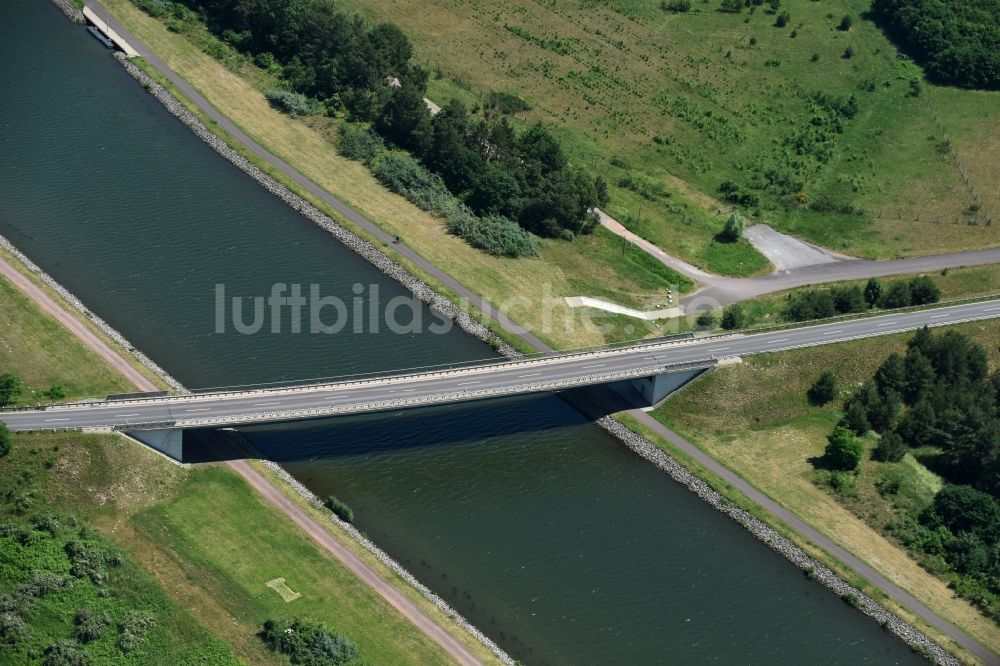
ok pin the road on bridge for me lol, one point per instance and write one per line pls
(548, 373)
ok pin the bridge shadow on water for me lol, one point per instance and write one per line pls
(396, 430)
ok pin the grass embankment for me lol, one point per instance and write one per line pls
(754, 418)
(687, 100)
(42, 353)
(531, 289)
(200, 546)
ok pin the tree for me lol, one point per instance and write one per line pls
(923, 290)
(734, 317)
(405, 120)
(855, 418)
(11, 388)
(890, 448)
(897, 296)
(5, 440)
(891, 375)
(874, 291)
(845, 23)
(733, 229)
(848, 53)
(843, 450)
(731, 6)
(601, 187)
(782, 20)
(962, 508)
(824, 389)
(848, 299)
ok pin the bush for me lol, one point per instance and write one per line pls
(782, 20)
(733, 229)
(848, 53)
(339, 509)
(357, 142)
(306, 643)
(406, 176)
(824, 390)
(843, 450)
(11, 388)
(65, 653)
(5, 440)
(923, 291)
(132, 628)
(90, 627)
(676, 5)
(13, 630)
(845, 23)
(705, 320)
(890, 448)
(294, 104)
(734, 317)
(897, 296)
(89, 561)
(874, 291)
(494, 234)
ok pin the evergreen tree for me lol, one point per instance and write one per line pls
(824, 390)
(874, 291)
(855, 418)
(843, 450)
(890, 448)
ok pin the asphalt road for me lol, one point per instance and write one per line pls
(491, 380)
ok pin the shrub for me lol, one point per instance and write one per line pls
(13, 630)
(733, 228)
(89, 561)
(676, 5)
(706, 320)
(923, 291)
(874, 291)
(5, 439)
(731, 6)
(845, 23)
(843, 450)
(406, 176)
(494, 234)
(897, 296)
(65, 653)
(505, 103)
(132, 628)
(90, 627)
(307, 643)
(42, 584)
(11, 388)
(734, 317)
(890, 448)
(357, 142)
(782, 20)
(848, 53)
(294, 104)
(824, 389)
(339, 509)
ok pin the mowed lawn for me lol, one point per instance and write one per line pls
(754, 418)
(42, 353)
(530, 289)
(687, 100)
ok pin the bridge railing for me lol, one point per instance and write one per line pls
(363, 379)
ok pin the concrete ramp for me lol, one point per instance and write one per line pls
(787, 252)
(101, 25)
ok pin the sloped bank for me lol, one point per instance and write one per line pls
(420, 289)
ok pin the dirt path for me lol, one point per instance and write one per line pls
(396, 599)
(75, 326)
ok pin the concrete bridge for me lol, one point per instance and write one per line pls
(654, 367)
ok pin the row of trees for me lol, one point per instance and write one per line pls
(328, 55)
(822, 303)
(957, 41)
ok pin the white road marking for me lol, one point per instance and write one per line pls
(595, 365)
(717, 349)
(136, 414)
(47, 420)
(200, 409)
(888, 323)
(990, 309)
(467, 383)
(834, 332)
(407, 390)
(938, 316)
(530, 374)
(781, 340)
(263, 404)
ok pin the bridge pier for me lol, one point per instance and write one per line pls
(168, 441)
(656, 388)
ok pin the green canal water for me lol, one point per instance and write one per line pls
(543, 530)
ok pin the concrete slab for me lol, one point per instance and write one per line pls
(119, 41)
(787, 252)
(598, 304)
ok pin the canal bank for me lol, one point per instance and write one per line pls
(868, 605)
(583, 434)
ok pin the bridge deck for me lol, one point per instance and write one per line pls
(504, 378)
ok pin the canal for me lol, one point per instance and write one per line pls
(539, 527)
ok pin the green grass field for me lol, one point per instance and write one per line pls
(42, 353)
(754, 417)
(684, 101)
